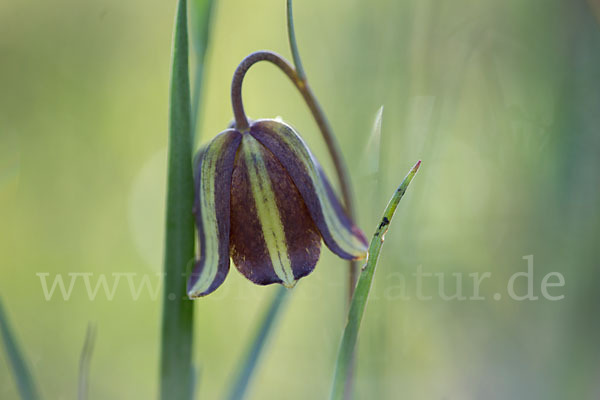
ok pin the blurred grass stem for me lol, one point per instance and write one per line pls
(23, 378)
(84, 362)
(201, 13)
(242, 380)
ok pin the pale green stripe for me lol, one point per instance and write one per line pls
(209, 215)
(339, 232)
(342, 235)
(267, 210)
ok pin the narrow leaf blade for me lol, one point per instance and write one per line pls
(85, 360)
(361, 294)
(200, 17)
(177, 318)
(255, 349)
(23, 378)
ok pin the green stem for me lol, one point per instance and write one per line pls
(293, 44)
(240, 386)
(327, 133)
(359, 300)
(23, 378)
(85, 360)
(334, 152)
(201, 11)
(177, 319)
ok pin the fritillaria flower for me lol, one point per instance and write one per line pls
(263, 200)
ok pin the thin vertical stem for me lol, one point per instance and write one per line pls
(85, 360)
(327, 133)
(241, 382)
(334, 152)
(178, 317)
(201, 12)
(16, 359)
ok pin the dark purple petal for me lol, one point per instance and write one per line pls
(338, 231)
(273, 238)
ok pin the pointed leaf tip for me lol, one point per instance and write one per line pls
(361, 294)
(416, 167)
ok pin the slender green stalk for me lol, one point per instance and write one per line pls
(177, 319)
(359, 300)
(201, 12)
(293, 44)
(327, 133)
(84, 362)
(242, 380)
(23, 378)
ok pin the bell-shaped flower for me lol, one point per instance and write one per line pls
(263, 200)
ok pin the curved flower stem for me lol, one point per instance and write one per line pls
(85, 360)
(336, 155)
(241, 121)
(327, 133)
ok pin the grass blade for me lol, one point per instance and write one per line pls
(178, 317)
(23, 377)
(243, 378)
(84, 362)
(361, 294)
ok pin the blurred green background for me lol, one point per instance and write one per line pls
(500, 99)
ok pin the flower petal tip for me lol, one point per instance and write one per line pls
(194, 294)
(290, 284)
(193, 288)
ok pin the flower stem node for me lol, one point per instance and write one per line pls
(263, 200)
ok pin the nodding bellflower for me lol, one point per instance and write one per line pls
(263, 200)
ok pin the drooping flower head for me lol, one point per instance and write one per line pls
(263, 200)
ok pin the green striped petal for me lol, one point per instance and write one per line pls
(273, 238)
(214, 169)
(338, 231)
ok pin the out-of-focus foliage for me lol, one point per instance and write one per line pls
(499, 99)
(16, 359)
